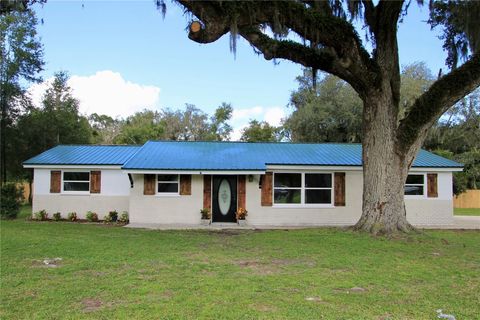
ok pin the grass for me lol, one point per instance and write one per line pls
(119, 273)
(466, 212)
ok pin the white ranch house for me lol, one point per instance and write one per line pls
(280, 184)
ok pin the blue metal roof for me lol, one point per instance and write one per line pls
(175, 155)
(84, 155)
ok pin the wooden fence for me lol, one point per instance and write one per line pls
(26, 190)
(468, 199)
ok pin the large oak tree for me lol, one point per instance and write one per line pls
(330, 42)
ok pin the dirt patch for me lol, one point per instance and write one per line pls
(289, 262)
(91, 304)
(351, 290)
(265, 308)
(339, 270)
(47, 263)
(208, 273)
(230, 232)
(257, 267)
(314, 299)
(157, 296)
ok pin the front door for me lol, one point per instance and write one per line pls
(224, 199)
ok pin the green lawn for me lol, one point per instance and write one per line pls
(466, 212)
(114, 272)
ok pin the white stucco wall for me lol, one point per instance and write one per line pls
(420, 210)
(117, 194)
(166, 209)
(114, 195)
(432, 211)
(303, 216)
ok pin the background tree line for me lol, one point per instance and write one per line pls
(325, 109)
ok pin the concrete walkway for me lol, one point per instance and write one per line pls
(213, 226)
(459, 222)
(466, 222)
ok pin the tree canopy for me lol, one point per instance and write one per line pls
(260, 131)
(21, 60)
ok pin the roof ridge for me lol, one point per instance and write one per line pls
(254, 142)
(97, 145)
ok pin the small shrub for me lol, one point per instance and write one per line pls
(72, 216)
(113, 215)
(11, 198)
(123, 217)
(57, 216)
(107, 218)
(241, 213)
(92, 216)
(41, 215)
(205, 213)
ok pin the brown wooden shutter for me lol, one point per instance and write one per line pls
(242, 191)
(95, 181)
(55, 181)
(149, 184)
(339, 189)
(207, 191)
(185, 184)
(267, 189)
(432, 185)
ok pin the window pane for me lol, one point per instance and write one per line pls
(78, 176)
(286, 196)
(414, 190)
(290, 180)
(168, 177)
(414, 179)
(318, 196)
(168, 187)
(318, 180)
(76, 186)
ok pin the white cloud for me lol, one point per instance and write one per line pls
(274, 115)
(241, 117)
(106, 92)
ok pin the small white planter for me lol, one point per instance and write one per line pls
(242, 223)
(205, 222)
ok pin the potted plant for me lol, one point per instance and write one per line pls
(205, 212)
(92, 216)
(123, 217)
(72, 216)
(113, 215)
(241, 214)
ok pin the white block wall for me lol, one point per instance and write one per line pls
(114, 195)
(166, 209)
(333, 216)
(432, 211)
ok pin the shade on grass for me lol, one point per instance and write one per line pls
(113, 272)
(467, 211)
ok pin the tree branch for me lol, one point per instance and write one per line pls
(313, 24)
(323, 59)
(443, 94)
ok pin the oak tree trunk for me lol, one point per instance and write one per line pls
(385, 169)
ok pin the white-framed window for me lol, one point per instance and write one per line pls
(415, 185)
(76, 181)
(303, 189)
(168, 184)
(287, 188)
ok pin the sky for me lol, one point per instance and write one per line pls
(122, 57)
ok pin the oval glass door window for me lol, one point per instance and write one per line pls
(224, 197)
